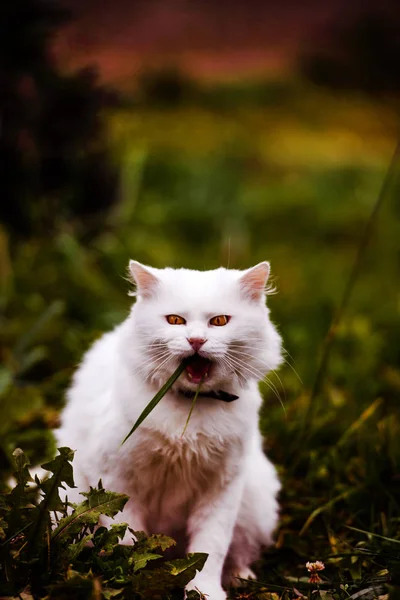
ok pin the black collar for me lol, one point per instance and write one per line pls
(218, 395)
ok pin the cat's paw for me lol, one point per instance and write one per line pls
(206, 590)
(235, 578)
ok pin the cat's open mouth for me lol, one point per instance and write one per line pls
(198, 368)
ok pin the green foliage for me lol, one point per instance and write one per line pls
(50, 548)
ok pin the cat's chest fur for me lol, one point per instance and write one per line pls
(180, 469)
(190, 464)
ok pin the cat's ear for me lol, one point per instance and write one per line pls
(144, 280)
(253, 282)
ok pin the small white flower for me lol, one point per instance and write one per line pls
(313, 568)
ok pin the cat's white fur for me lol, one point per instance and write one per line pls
(213, 487)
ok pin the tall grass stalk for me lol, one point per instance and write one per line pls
(355, 272)
(156, 399)
(192, 407)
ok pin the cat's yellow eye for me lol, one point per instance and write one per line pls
(175, 320)
(219, 320)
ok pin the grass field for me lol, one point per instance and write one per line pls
(230, 181)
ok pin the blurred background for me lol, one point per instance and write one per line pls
(198, 133)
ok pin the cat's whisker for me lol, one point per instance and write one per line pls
(262, 347)
(273, 388)
(144, 373)
(245, 346)
(150, 362)
(246, 356)
(159, 367)
(152, 358)
(155, 356)
(288, 353)
(291, 366)
(261, 377)
(245, 372)
(239, 345)
(244, 366)
(293, 369)
(235, 369)
(148, 371)
(155, 350)
(154, 374)
(154, 339)
(280, 383)
(150, 346)
(225, 362)
(271, 370)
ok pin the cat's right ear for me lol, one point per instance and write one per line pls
(143, 279)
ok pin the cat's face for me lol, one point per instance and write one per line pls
(217, 318)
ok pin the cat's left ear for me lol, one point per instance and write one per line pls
(145, 281)
(254, 281)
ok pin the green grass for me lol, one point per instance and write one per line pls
(293, 183)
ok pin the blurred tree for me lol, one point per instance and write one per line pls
(50, 125)
(363, 55)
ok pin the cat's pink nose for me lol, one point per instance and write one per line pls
(196, 343)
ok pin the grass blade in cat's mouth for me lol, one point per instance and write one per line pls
(197, 368)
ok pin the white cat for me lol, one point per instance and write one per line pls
(212, 489)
